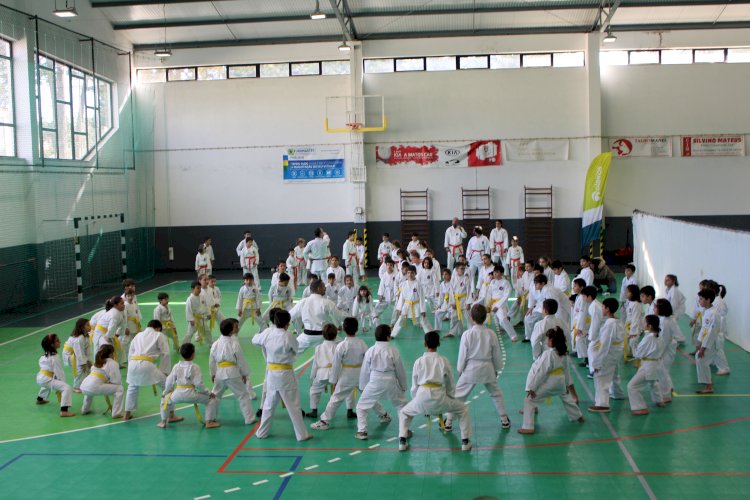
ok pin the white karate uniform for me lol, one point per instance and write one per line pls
(278, 297)
(539, 334)
(607, 358)
(316, 252)
(634, 323)
(707, 338)
(514, 261)
(580, 320)
(443, 310)
(410, 305)
(522, 287)
(721, 361)
(314, 311)
(109, 329)
(536, 301)
(51, 377)
(382, 377)
(624, 287)
(477, 246)
(293, 272)
(133, 317)
(164, 315)
(350, 259)
(498, 244)
(365, 313)
(249, 258)
(208, 251)
(479, 361)
(595, 314)
(586, 275)
(562, 282)
(340, 275)
(430, 287)
(649, 351)
(346, 297)
(385, 249)
(321, 366)
(386, 291)
(549, 376)
(104, 381)
(196, 312)
(212, 298)
(453, 241)
(201, 264)
(332, 292)
(248, 302)
(227, 366)
(281, 349)
(76, 355)
(300, 272)
(361, 259)
(152, 345)
(459, 299)
(344, 375)
(668, 334)
(185, 385)
(241, 246)
(432, 393)
(497, 305)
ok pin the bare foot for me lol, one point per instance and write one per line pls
(525, 431)
(42, 401)
(127, 416)
(639, 412)
(162, 424)
(175, 418)
(212, 425)
(67, 414)
(581, 419)
(117, 416)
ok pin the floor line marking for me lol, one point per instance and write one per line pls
(712, 395)
(620, 444)
(392, 439)
(256, 483)
(423, 426)
(202, 498)
(232, 490)
(374, 446)
(84, 314)
(357, 452)
(334, 460)
(312, 467)
(287, 474)
(510, 473)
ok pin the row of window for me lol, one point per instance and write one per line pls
(492, 61)
(674, 56)
(74, 106)
(271, 70)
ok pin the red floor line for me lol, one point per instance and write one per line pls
(250, 434)
(500, 473)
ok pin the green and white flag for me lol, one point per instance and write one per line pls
(593, 198)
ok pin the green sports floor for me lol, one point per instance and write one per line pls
(693, 448)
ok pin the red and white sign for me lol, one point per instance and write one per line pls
(625, 147)
(713, 145)
(476, 154)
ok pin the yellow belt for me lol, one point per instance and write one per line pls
(142, 358)
(432, 386)
(226, 364)
(169, 327)
(277, 303)
(117, 346)
(245, 303)
(625, 343)
(184, 386)
(199, 326)
(352, 366)
(102, 328)
(135, 320)
(279, 366)
(557, 371)
(489, 312)
(411, 304)
(72, 352)
(100, 376)
(195, 406)
(47, 373)
(457, 298)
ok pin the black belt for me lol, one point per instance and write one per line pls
(313, 332)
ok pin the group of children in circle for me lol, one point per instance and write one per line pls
(556, 323)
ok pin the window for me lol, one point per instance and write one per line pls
(644, 57)
(567, 59)
(76, 110)
(336, 67)
(410, 64)
(180, 74)
(473, 62)
(7, 116)
(614, 58)
(536, 60)
(243, 71)
(276, 70)
(155, 75)
(379, 66)
(505, 61)
(212, 73)
(677, 56)
(305, 69)
(738, 55)
(709, 55)
(447, 63)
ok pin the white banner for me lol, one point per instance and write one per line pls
(537, 150)
(625, 147)
(713, 145)
(475, 154)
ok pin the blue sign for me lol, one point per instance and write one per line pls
(309, 164)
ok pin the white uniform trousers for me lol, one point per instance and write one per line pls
(282, 385)
(188, 396)
(434, 401)
(66, 398)
(406, 316)
(131, 396)
(703, 365)
(249, 313)
(548, 389)
(582, 345)
(241, 394)
(381, 386)
(721, 357)
(501, 320)
(83, 372)
(344, 393)
(463, 389)
(635, 388)
(603, 383)
(528, 323)
(306, 341)
(193, 330)
(103, 389)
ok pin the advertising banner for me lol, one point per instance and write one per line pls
(713, 145)
(476, 154)
(314, 163)
(626, 147)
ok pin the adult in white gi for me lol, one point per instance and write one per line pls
(316, 252)
(315, 311)
(453, 242)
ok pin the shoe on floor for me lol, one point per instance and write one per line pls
(361, 435)
(320, 425)
(351, 414)
(599, 409)
(403, 444)
(721, 373)
(465, 445)
(505, 422)
(448, 425)
(526, 341)
(383, 419)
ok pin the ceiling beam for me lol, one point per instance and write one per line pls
(682, 26)
(340, 9)
(608, 10)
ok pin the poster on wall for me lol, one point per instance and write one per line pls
(625, 147)
(319, 164)
(537, 150)
(713, 145)
(476, 154)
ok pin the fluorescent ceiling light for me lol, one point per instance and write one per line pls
(317, 13)
(610, 38)
(344, 47)
(163, 52)
(68, 12)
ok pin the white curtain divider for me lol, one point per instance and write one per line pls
(694, 252)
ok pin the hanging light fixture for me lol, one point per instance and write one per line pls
(164, 51)
(317, 13)
(345, 47)
(68, 11)
(610, 38)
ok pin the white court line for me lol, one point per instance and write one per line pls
(475, 397)
(423, 426)
(482, 391)
(392, 439)
(312, 467)
(355, 453)
(262, 481)
(333, 460)
(66, 320)
(120, 422)
(202, 498)
(374, 446)
(232, 490)
(620, 444)
(287, 474)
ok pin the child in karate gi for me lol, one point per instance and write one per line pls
(201, 262)
(484, 277)
(669, 329)
(649, 351)
(229, 370)
(51, 376)
(195, 313)
(302, 263)
(522, 287)
(292, 270)
(497, 302)
(104, 380)
(595, 313)
(338, 272)
(349, 255)
(385, 249)
(332, 290)
(382, 377)
(580, 322)
(607, 356)
(164, 315)
(548, 322)
(629, 279)
(321, 367)
(410, 303)
(281, 349)
(549, 376)
(361, 258)
(76, 352)
(479, 362)
(248, 301)
(586, 273)
(633, 319)
(720, 361)
(148, 364)
(214, 302)
(280, 296)
(364, 309)
(476, 248)
(249, 258)
(561, 280)
(459, 300)
(498, 242)
(133, 318)
(514, 260)
(707, 339)
(432, 392)
(346, 295)
(430, 284)
(387, 286)
(185, 385)
(443, 310)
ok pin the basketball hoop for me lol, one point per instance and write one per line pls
(354, 125)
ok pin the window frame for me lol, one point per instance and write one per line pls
(11, 82)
